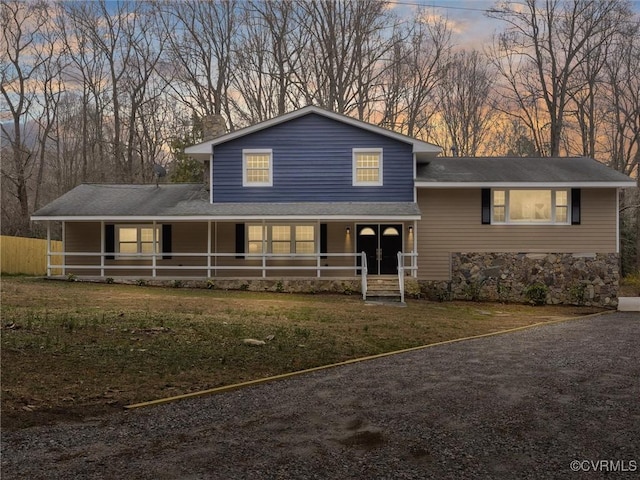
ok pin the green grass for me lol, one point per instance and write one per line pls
(72, 349)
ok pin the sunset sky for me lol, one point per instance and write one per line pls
(472, 26)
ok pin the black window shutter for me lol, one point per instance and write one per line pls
(323, 239)
(239, 240)
(110, 241)
(575, 206)
(166, 242)
(486, 206)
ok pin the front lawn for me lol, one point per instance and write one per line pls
(72, 350)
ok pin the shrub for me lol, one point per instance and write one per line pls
(109, 280)
(442, 295)
(504, 291)
(141, 282)
(473, 290)
(536, 293)
(578, 293)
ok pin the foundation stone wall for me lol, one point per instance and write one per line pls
(563, 278)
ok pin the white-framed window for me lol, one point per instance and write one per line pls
(530, 206)
(255, 238)
(257, 168)
(281, 239)
(367, 166)
(137, 239)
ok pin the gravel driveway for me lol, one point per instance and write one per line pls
(520, 405)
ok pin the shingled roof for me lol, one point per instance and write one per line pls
(505, 171)
(191, 202)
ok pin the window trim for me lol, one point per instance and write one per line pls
(354, 167)
(138, 227)
(267, 238)
(253, 151)
(507, 204)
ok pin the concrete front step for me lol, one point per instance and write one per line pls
(383, 285)
(385, 289)
(383, 293)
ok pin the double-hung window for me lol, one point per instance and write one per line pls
(367, 166)
(281, 239)
(137, 239)
(257, 168)
(530, 206)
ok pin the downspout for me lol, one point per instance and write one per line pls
(618, 222)
(414, 262)
(211, 177)
(415, 174)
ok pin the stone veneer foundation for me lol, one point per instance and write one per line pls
(575, 279)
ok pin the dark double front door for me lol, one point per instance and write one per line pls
(381, 244)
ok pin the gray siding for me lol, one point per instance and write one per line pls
(312, 162)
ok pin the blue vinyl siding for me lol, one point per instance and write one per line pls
(312, 162)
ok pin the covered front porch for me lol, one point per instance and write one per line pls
(233, 249)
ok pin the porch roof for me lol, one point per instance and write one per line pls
(183, 202)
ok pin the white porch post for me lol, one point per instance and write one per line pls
(155, 251)
(264, 250)
(414, 259)
(64, 248)
(102, 247)
(318, 249)
(48, 248)
(215, 247)
(208, 248)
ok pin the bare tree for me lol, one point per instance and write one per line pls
(342, 56)
(622, 136)
(549, 41)
(466, 103)
(267, 55)
(125, 43)
(22, 55)
(86, 79)
(54, 61)
(417, 63)
(200, 46)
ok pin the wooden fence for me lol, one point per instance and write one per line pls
(28, 256)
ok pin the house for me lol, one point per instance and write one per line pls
(320, 199)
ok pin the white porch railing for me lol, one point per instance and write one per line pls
(211, 262)
(403, 268)
(364, 275)
(401, 276)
